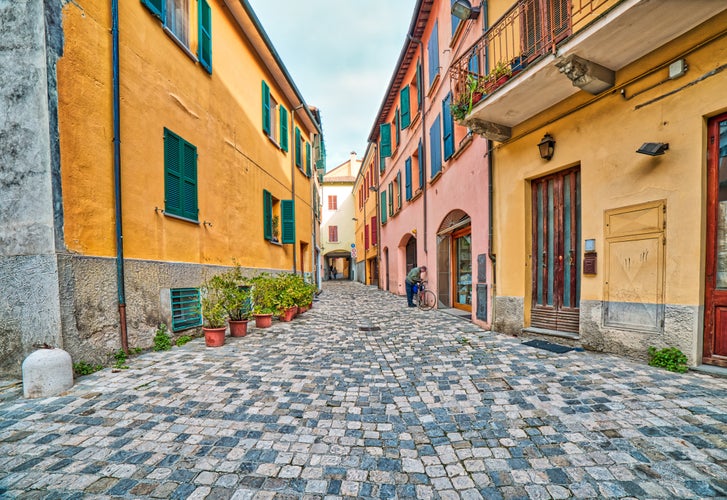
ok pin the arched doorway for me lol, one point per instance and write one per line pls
(454, 261)
(338, 265)
(411, 254)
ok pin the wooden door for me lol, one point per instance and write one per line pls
(462, 269)
(715, 309)
(556, 251)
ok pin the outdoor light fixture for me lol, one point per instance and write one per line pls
(464, 10)
(373, 189)
(546, 146)
(653, 148)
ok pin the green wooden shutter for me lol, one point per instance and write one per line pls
(448, 127)
(398, 189)
(405, 108)
(205, 36)
(266, 108)
(189, 181)
(172, 173)
(385, 146)
(407, 177)
(397, 124)
(391, 198)
(298, 152)
(307, 159)
(157, 7)
(383, 207)
(287, 221)
(283, 129)
(267, 215)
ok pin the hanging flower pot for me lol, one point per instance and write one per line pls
(214, 337)
(238, 328)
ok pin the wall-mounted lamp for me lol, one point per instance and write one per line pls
(546, 146)
(354, 218)
(464, 10)
(653, 148)
(373, 189)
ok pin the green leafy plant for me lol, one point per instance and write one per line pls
(237, 299)
(183, 340)
(265, 298)
(502, 68)
(120, 357)
(83, 368)
(669, 358)
(162, 340)
(212, 303)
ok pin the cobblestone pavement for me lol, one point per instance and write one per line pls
(429, 406)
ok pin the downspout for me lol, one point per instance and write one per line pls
(491, 232)
(117, 177)
(292, 178)
(424, 138)
(378, 219)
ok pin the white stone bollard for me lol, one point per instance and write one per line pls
(47, 372)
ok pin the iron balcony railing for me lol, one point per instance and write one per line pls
(526, 32)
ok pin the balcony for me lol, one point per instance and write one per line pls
(541, 52)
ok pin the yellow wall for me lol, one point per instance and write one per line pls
(161, 86)
(603, 137)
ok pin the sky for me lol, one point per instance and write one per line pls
(341, 55)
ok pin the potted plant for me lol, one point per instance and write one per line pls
(501, 73)
(286, 285)
(237, 301)
(276, 227)
(264, 299)
(213, 312)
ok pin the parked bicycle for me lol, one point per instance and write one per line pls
(426, 299)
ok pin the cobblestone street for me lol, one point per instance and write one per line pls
(364, 397)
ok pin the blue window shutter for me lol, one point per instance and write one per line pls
(422, 164)
(433, 48)
(473, 65)
(267, 215)
(307, 159)
(420, 83)
(397, 124)
(407, 177)
(283, 129)
(157, 7)
(266, 108)
(287, 221)
(205, 36)
(448, 126)
(298, 152)
(405, 108)
(455, 21)
(435, 146)
(398, 188)
(383, 207)
(385, 146)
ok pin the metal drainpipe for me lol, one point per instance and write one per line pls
(377, 193)
(491, 234)
(424, 139)
(117, 177)
(292, 178)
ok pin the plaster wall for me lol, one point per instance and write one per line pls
(602, 138)
(342, 217)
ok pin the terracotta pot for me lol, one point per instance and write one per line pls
(214, 337)
(263, 320)
(302, 309)
(238, 328)
(289, 314)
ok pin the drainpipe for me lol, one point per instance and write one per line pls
(377, 193)
(491, 234)
(117, 177)
(292, 177)
(424, 139)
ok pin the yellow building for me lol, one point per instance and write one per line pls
(366, 219)
(610, 129)
(179, 145)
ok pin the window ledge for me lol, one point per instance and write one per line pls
(435, 178)
(276, 243)
(434, 85)
(415, 120)
(463, 145)
(179, 217)
(181, 44)
(416, 196)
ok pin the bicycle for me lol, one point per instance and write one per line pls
(425, 298)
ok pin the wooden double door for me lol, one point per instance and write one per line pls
(715, 308)
(556, 249)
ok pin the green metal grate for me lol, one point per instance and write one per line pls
(185, 308)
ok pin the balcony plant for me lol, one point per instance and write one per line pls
(213, 311)
(500, 73)
(473, 93)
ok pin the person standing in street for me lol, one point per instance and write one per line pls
(414, 277)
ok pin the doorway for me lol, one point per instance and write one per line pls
(556, 236)
(714, 351)
(462, 268)
(411, 254)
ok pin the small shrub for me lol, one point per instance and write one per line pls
(669, 358)
(183, 340)
(83, 368)
(120, 357)
(162, 341)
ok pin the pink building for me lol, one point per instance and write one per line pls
(434, 187)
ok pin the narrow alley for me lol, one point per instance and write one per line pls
(364, 397)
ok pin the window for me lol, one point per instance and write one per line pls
(307, 159)
(204, 52)
(433, 48)
(448, 125)
(180, 177)
(407, 178)
(333, 202)
(435, 146)
(185, 308)
(397, 184)
(420, 164)
(419, 85)
(278, 219)
(177, 19)
(274, 118)
(333, 234)
(298, 152)
(397, 126)
(405, 107)
(391, 198)
(283, 129)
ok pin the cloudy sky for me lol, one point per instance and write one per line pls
(341, 55)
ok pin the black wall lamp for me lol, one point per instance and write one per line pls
(546, 146)
(464, 10)
(653, 148)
